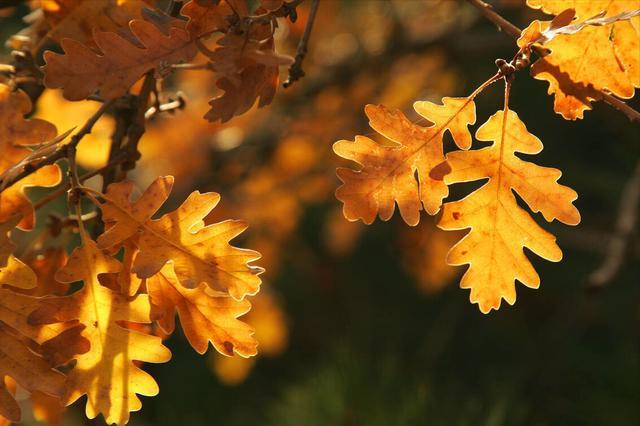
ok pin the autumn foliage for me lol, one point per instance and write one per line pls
(82, 313)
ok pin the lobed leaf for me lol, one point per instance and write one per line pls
(108, 373)
(582, 65)
(205, 316)
(499, 227)
(199, 253)
(401, 173)
(80, 71)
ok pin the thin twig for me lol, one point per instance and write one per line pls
(509, 28)
(295, 70)
(503, 25)
(626, 225)
(58, 192)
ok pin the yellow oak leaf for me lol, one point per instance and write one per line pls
(500, 228)
(204, 315)
(597, 58)
(16, 135)
(199, 253)
(107, 374)
(80, 72)
(388, 172)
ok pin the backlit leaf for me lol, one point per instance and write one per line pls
(107, 373)
(595, 59)
(200, 254)
(81, 72)
(401, 173)
(204, 316)
(499, 228)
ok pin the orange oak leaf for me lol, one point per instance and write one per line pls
(597, 58)
(78, 19)
(108, 373)
(248, 67)
(209, 16)
(499, 227)
(58, 343)
(80, 71)
(26, 350)
(199, 253)
(204, 315)
(388, 172)
(16, 135)
(27, 368)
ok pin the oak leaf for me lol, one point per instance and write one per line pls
(78, 19)
(388, 172)
(248, 67)
(597, 58)
(207, 17)
(499, 227)
(199, 253)
(16, 135)
(27, 351)
(80, 72)
(204, 315)
(107, 373)
(27, 368)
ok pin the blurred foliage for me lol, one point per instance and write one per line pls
(359, 325)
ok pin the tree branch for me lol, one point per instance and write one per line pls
(504, 25)
(295, 70)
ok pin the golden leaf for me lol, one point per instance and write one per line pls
(16, 134)
(200, 254)
(204, 316)
(107, 373)
(80, 71)
(597, 58)
(500, 229)
(388, 173)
